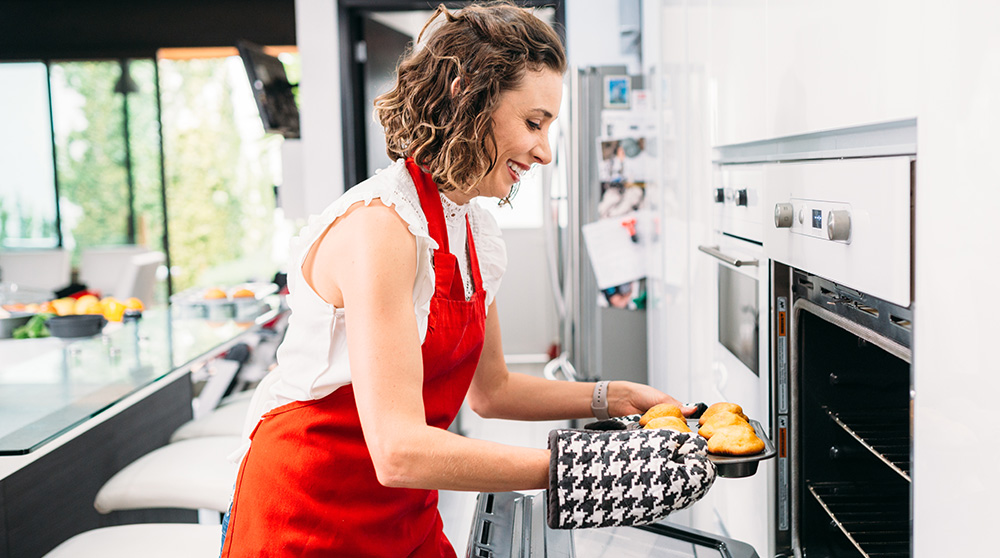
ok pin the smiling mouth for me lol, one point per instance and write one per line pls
(517, 170)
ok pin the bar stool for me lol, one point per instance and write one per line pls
(225, 420)
(193, 473)
(189, 474)
(149, 540)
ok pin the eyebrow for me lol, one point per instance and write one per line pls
(544, 112)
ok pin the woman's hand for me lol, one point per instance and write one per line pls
(630, 398)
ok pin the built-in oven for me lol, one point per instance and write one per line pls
(513, 525)
(841, 314)
(738, 319)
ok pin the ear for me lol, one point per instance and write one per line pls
(455, 85)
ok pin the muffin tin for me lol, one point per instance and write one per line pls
(733, 467)
(193, 304)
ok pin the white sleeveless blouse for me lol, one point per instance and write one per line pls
(312, 358)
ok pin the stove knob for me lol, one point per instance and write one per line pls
(784, 214)
(838, 225)
(741, 197)
(720, 195)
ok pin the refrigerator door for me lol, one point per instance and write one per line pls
(597, 342)
(508, 524)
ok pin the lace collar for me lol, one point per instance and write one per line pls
(454, 214)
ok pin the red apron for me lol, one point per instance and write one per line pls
(307, 486)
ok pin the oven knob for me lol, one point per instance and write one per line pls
(720, 195)
(741, 197)
(784, 214)
(838, 225)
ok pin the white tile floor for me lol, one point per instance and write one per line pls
(457, 507)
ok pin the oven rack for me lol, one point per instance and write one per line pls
(875, 520)
(884, 432)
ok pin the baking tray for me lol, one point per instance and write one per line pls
(734, 467)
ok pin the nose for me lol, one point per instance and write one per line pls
(542, 152)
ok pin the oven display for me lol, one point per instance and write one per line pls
(817, 219)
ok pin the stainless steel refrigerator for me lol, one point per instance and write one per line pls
(597, 342)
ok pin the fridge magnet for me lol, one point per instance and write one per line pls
(615, 257)
(623, 171)
(616, 92)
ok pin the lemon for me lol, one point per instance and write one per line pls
(114, 309)
(64, 306)
(86, 304)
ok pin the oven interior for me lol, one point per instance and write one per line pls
(853, 394)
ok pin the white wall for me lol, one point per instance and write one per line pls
(592, 34)
(321, 154)
(957, 372)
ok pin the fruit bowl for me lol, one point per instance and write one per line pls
(75, 326)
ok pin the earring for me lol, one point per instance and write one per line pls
(507, 199)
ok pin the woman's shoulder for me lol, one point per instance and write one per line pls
(394, 187)
(391, 185)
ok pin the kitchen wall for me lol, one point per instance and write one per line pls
(741, 71)
(957, 372)
(320, 156)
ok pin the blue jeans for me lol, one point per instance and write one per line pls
(225, 526)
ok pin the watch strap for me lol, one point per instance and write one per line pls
(599, 402)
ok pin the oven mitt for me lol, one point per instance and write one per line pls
(628, 422)
(624, 477)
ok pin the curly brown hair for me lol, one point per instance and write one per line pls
(489, 48)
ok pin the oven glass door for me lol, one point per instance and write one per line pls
(739, 315)
(738, 374)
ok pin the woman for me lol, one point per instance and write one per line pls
(393, 321)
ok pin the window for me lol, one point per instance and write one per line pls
(86, 172)
(221, 173)
(27, 184)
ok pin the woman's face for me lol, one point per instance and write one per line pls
(521, 127)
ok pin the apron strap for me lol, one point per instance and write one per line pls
(477, 279)
(430, 201)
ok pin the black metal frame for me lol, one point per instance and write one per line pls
(351, 31)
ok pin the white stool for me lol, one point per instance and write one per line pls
(225, 420)
(237, 397)
(190, 474)
(193, 473)
(149, 540)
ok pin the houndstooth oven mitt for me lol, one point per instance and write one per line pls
(624, 477)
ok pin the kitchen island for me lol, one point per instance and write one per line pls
(75, 412)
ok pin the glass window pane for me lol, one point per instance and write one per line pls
(144, 149)
(221, 170)
(90, 154)
(27, 192)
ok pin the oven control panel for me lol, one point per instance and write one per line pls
(737, 196)
(846, 220)
(820, 219)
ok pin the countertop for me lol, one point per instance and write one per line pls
(50, 386)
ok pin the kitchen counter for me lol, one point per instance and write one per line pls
(75, 412)
(49, 386)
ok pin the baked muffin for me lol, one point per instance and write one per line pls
(661, 410)
(721, 407)
(735, 440)
(720, 420)
(670, 423)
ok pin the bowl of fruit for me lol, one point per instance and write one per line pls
(72, 326)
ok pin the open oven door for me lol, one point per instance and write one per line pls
(513, 524)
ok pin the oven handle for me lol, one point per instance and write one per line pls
(735, 262)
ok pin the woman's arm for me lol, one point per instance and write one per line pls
(499, 393)
(367, 259)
